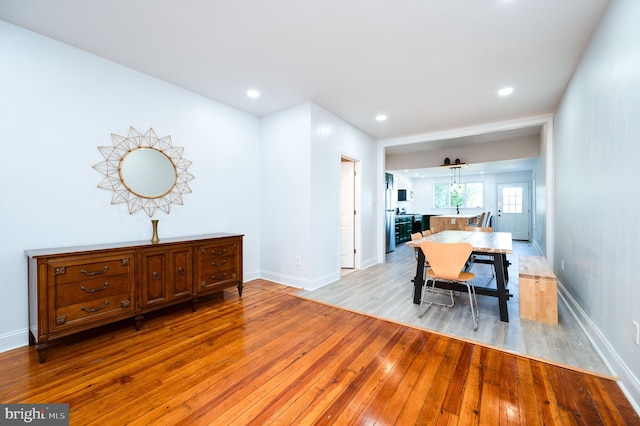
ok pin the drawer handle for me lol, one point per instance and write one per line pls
(219, 253)
(155, 276)
(125, 304)
(181, 270)
(90, 274)
(219, 264)
(84, 308)
(93, 290)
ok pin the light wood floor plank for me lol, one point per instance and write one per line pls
(386, 291)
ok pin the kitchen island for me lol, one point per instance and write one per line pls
(452, 222)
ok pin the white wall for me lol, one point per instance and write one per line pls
(302, 147)
(57, 105)
(597, 145)
(285, 198)
(331, 139)
(541, 210)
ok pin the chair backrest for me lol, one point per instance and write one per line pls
(481, 219)
(478, 228)
(416, 236)
(446, 259)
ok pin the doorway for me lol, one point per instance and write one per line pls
(348, 212)
(513, 210)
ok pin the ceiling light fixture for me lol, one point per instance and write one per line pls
(454, 170)
(505, 91)
(253, 93)
(381, 117)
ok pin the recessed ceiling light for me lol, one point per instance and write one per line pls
(505, 91)
(381, 117)
(253, 93)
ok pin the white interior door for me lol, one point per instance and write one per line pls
(347, 214)
(513, 210)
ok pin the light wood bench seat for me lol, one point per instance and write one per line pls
(538, 290)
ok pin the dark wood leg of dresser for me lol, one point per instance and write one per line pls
(42, 351)
(194, 305)
(139, 320)
(240, 289)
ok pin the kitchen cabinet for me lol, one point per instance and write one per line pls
(404, 226)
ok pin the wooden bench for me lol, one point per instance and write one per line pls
(538, 290)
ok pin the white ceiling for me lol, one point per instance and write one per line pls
(427, 64)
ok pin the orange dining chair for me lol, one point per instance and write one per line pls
(446, 262)
(473, 258)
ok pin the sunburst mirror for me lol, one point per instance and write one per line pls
(144, 171)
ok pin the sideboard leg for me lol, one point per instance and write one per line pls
(139, 320)
(194, 305)
(42, 351)
(240, 286)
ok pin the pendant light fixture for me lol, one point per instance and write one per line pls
(454, 170)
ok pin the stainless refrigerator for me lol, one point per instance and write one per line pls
(389, 214)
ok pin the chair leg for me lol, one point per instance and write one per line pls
(420, 311)
(443, 291)
(473, 302)
(431, 301)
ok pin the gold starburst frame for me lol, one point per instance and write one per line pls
(112, 164)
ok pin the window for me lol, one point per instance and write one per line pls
(462, 195)
(512, 200)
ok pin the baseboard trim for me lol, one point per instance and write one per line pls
(13, 340)
(627, 381)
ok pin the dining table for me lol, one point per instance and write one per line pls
(492, 246)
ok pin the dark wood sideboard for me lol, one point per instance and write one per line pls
(73, 289)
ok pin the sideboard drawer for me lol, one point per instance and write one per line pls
(218, 278)
(217, 251)
(90, 311)
(81, 269)
(93, 289)
(219, 263)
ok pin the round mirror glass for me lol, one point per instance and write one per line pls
(147, 172)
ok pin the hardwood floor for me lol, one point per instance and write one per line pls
(386, 291)
(271, 358)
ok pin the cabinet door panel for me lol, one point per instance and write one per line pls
(154, 278)
(182, 283)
